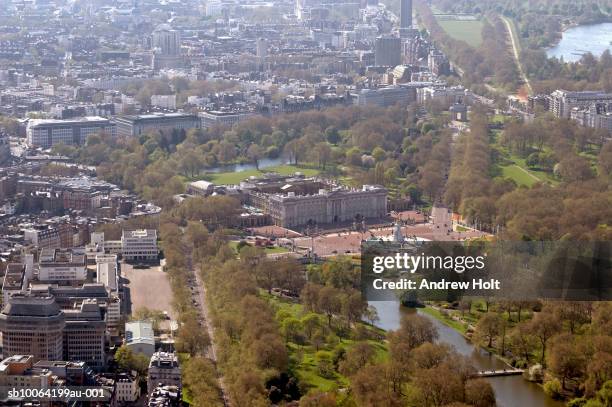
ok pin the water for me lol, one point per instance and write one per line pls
(510, 391)
(263, 163)
(576, 41)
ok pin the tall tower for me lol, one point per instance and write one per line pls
(406, 14)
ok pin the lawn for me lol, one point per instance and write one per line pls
(469, 31)
(456, 325)
(234, 178)
(302, 358)
(516, 173)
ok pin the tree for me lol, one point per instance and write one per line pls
(199, 376)
(543, 326)
(356, 358)
(329, 303)
(291, 329)
(489, 328)
(332, 135)
(255, 153)
(565, 359)
(414, 331)
(322, 153)
(370, 386)
(479, 393)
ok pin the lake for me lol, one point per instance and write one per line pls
(576, 41)
(510, 391)
(263, 164)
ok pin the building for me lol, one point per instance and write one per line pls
(84, 334)
(201, 188)
(139, 337)
(163, 370)
(562, 101)
(127, 388)
(164, 101)
(33, 325)
(134, 126)
(17, 372)
(335, 206)
(388, 51)
(597, 116)
(385, 97)
(438, 63)
(166, 44)
(405, 14)
(62, 265)
(444, 95)
(50, 236)
(107, 272)
(139, 245)
(48, 133)
(212, 118)
(15, 280)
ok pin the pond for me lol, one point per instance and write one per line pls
(263, 163)
(578, 40)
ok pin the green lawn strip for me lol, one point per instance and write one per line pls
(456, 325)
(234, 178)
(469, 31)
(518, 175)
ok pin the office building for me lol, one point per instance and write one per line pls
(166, 44)
(221, 118)
(134, 126)
(48, 133)
(405, 14)
(32, 325)
(385, 97)
(139, 337)
(139, 245)
(163, 370)
(388, 51)
(62, 265)
(84, 334)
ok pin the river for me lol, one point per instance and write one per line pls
(510, 391)
(578, 40)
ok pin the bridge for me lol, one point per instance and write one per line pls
(496, 373)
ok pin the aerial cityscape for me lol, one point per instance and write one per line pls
(190, 192)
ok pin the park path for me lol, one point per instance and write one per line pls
(206, 323)
(515, 51)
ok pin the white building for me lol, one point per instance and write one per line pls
(127, 388)
(139, 337)
(61, 265)
(562, 101)
(139, 245)
(107, 272)
(164, 101)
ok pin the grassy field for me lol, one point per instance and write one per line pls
(469, 31)
(303, 358)
(234, 178)
(519, 175)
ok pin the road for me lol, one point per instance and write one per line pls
(199, 297)
(516, 53)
